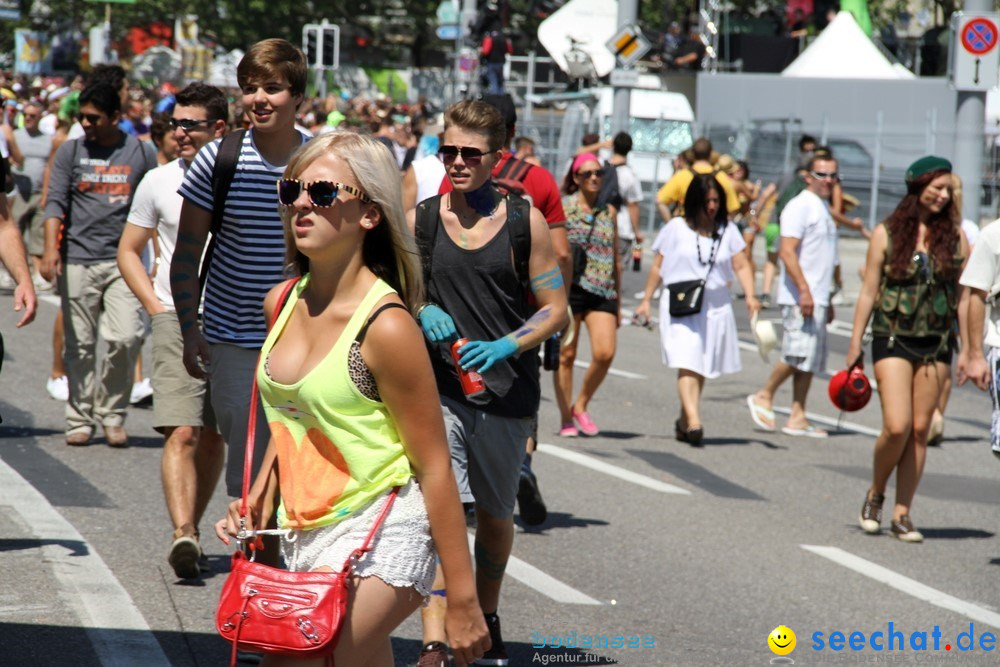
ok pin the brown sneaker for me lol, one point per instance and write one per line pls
(116, 436)
(902, 529)
(434, 654)
(871, 514)
(78, 438)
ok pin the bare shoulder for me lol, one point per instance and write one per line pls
(271, 300)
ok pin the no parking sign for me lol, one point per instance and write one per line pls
(976, 56)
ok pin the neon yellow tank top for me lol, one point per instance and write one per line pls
(337, 449)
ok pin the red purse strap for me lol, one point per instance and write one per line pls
(252, 418)
(366, 547)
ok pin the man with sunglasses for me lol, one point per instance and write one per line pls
(92, 182)
(475, 291)
(808, 252)
(193, 451)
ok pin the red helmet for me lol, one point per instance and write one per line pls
(849, 389)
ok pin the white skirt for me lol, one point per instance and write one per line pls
(402, 554)
(706, 343)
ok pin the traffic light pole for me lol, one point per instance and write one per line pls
(628, 13)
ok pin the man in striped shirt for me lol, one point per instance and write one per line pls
(250, 248)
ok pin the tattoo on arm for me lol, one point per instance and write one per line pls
(532, 323)
(549, 280)
(485, 563)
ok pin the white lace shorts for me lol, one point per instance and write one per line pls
(402, 556)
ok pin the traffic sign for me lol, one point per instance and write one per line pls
(448, 31)
(979, 36)
(976, 56)
(628, 45)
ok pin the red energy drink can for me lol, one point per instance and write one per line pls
(472, 382)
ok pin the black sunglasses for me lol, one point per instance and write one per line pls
(470, 156)
(188, 124)
(321, 193)
(91, 118)
(590, 174)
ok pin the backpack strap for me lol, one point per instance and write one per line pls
(514, 169)
(519, 219)
(222, 177)
(425, 230)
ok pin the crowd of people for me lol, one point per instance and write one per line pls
(410, 278)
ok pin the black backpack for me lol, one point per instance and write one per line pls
(222, 177)
(609, 193)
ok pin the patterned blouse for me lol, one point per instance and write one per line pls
(599, 276)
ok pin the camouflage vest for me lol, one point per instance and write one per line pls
(923, 302)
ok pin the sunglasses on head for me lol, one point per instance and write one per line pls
(593, 173)
(91, 118)
(321, 193)
(188, 124)
(470, 156)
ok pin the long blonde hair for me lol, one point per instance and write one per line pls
(388, 250)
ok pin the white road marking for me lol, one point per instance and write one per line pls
(547, 585)
(906, 585)
(116, 628)
(609, 469)
(612, 371)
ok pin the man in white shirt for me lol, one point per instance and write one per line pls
(982, 276)
(808, 251)
(193, 450)
(629, 196)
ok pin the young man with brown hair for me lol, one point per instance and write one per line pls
(476, 291)
(249, 249)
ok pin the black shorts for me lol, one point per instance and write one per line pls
(914, 348)
(582, 302)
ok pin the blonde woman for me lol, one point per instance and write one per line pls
(353, 407)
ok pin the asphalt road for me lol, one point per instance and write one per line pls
(692, 555)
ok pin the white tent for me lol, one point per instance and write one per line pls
(843, 51)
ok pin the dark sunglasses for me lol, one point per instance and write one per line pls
(91, 118)
(470, 156)
(832, 175)
(593, 173)
(321, 193)
(188, 124)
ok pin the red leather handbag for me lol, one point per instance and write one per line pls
(267, 610)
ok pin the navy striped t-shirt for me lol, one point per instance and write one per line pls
(250, 251)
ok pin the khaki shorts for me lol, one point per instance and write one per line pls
(178, 398)
(30, 219)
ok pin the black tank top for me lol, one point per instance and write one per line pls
(481, 291)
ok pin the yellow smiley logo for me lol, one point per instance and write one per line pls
(781, 641)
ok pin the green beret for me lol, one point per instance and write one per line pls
(926, 165)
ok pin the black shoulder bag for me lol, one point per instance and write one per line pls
(686, 296)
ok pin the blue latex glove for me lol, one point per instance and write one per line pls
(437, 324)
(481, 355)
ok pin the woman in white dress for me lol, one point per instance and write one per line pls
(700, 246)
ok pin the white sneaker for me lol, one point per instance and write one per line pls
(58, 388)
(41, 284)
(141, 391)
(6, 281)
